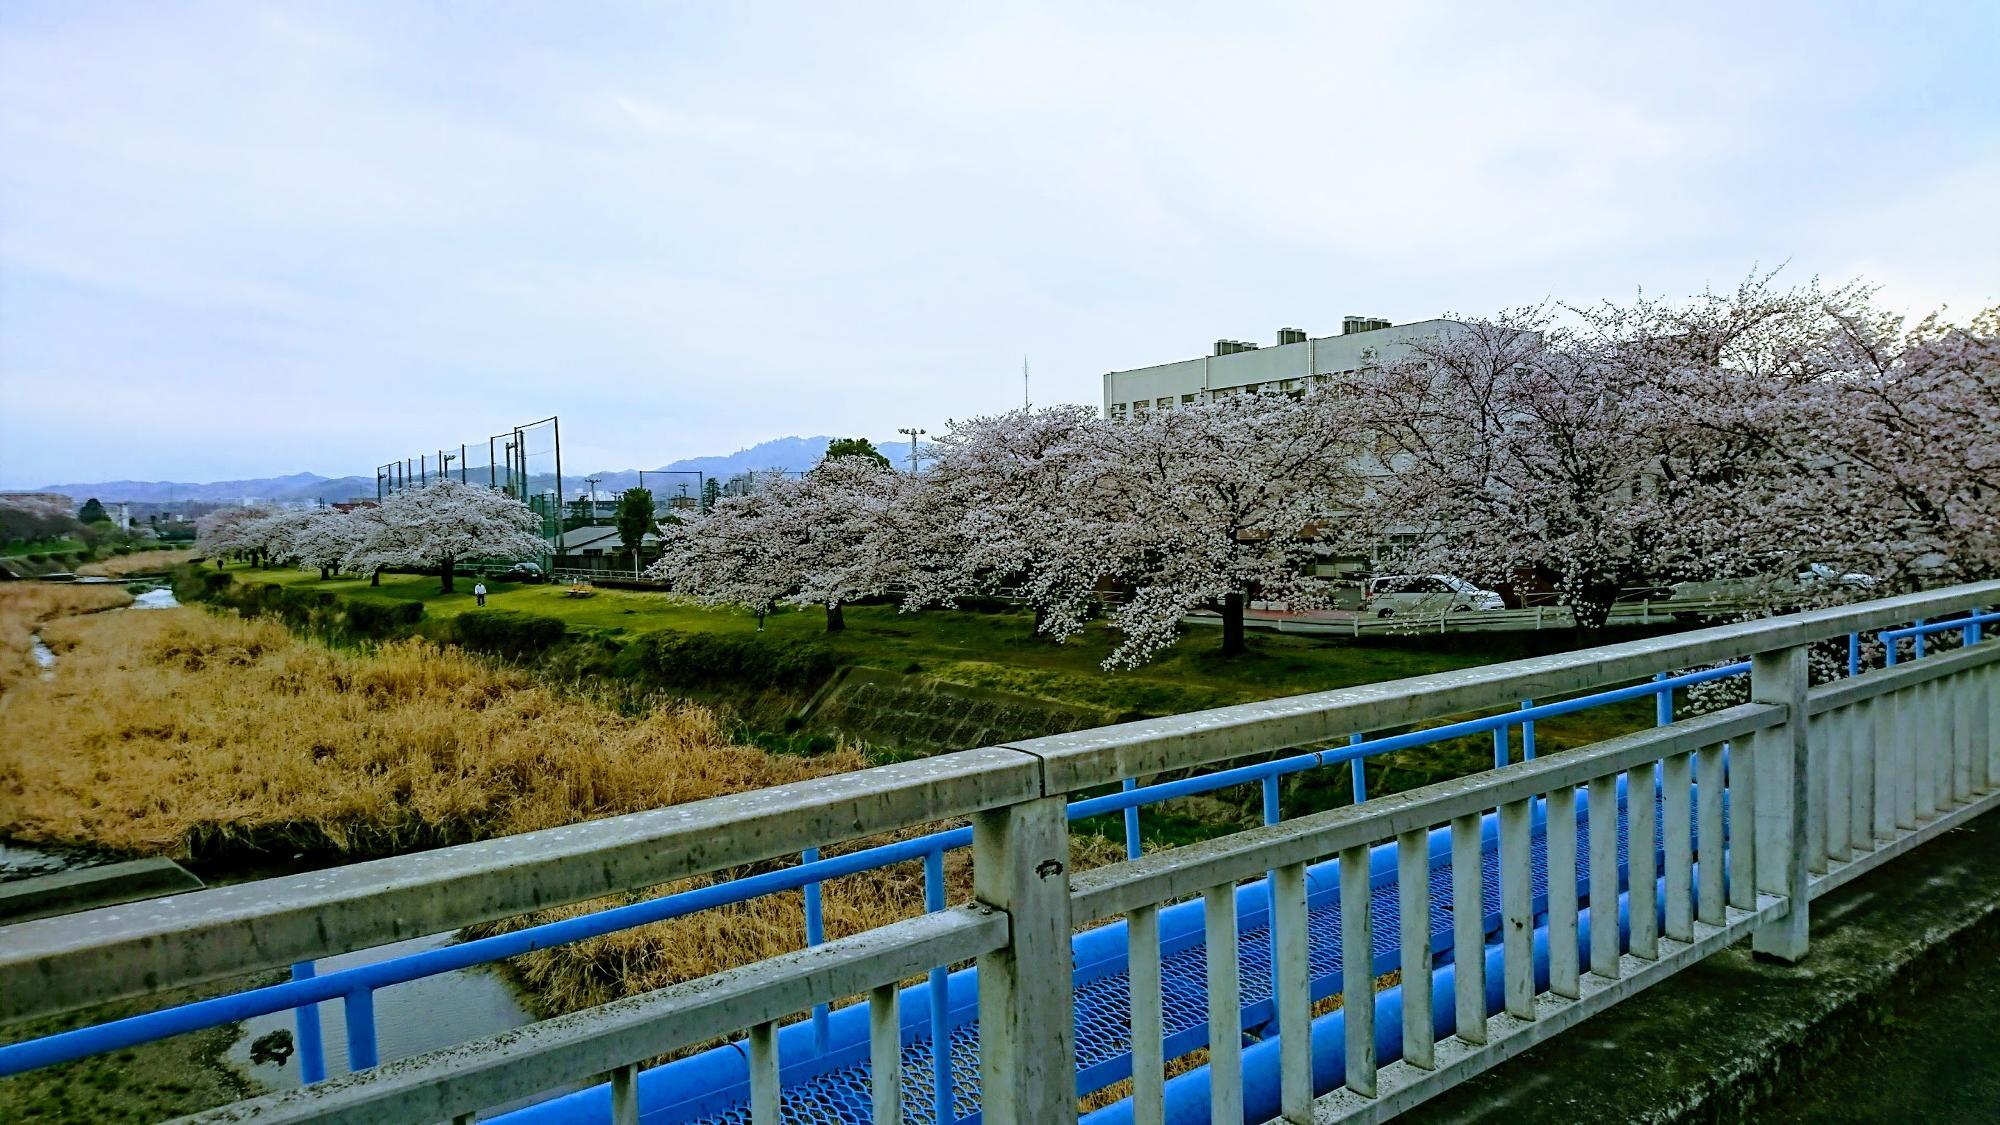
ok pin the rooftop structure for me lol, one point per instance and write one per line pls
(1238, 366)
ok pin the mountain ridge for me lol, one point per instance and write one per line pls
(791, 453)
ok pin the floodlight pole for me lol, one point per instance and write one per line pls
(914, 432)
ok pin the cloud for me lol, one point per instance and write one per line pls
(240, 239)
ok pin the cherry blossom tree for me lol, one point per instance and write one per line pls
(1207, 504)
(1902, 448)
(323, 539)
(840, 514)
(440, 523)
(743, 551)
(996, 513)
(229, 531)
(804, 541)
(1622, 444)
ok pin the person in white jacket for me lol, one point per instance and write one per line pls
(479, 592)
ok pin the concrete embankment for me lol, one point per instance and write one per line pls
(1736, 1039)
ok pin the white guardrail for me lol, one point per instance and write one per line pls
(1836, 779)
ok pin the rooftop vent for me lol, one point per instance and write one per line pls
(1231, 347)
(1349, 325)
(1291, 336)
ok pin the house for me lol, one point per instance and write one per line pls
(598, 548)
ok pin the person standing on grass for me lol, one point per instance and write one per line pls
(479, 592)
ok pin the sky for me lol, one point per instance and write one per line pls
(241, 240)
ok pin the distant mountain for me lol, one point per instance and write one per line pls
(791, 454)
(297, 486)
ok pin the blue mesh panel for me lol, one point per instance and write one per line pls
(1103, 1005)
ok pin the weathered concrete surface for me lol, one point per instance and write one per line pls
(45, 896)
(1718, 1042)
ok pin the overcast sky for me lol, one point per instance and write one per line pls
(249, 239)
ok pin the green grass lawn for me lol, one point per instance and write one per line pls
(1001, 651)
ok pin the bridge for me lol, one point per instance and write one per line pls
(1051, 984)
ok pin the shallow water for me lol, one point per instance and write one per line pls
(411, 1018)
(159, 598)
(19, 861)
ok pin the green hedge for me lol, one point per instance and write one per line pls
(506, 633)
(382, 619)
(675, 659)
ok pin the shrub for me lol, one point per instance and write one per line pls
(675, 659)
(379, 621)
(507, 633)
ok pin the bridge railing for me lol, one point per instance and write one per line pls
(1019, 834)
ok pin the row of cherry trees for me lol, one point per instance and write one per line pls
(1737, 435)
(429, 528)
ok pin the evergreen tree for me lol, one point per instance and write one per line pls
(635, 519)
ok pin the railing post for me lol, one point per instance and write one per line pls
(1027, 1048)
(1780, 765)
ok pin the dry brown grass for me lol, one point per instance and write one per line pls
(138, 562)
(179, 733)
(569, 977)
(26, 606)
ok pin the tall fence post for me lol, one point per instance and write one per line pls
(1779, 761)
(1027, 1031)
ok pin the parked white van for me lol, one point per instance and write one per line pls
(1393, 595)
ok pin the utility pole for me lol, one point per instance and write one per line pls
(1024, 382)
(592, 482)
(914, 433)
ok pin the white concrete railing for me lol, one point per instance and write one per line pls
(1836, 780)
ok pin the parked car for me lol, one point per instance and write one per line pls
(520, 572)
(1819, 575)
(1392, 595)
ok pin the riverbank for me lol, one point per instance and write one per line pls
(26, 606)
(209, 739)
(792, 686)
(139, 563)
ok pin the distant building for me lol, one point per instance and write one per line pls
(1240, 367)
(599, 549)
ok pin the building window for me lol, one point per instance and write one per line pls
(1166, 402)
(1117, 411)
(1187, 400)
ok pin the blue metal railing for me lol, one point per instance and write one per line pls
(355, 987)
(1971, 626)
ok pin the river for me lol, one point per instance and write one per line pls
(422, 1015)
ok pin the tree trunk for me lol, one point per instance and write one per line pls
(445, 574)
(375, 577)
(325, 573)
(1232, 623)
(835, 620)
(1592, 607)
